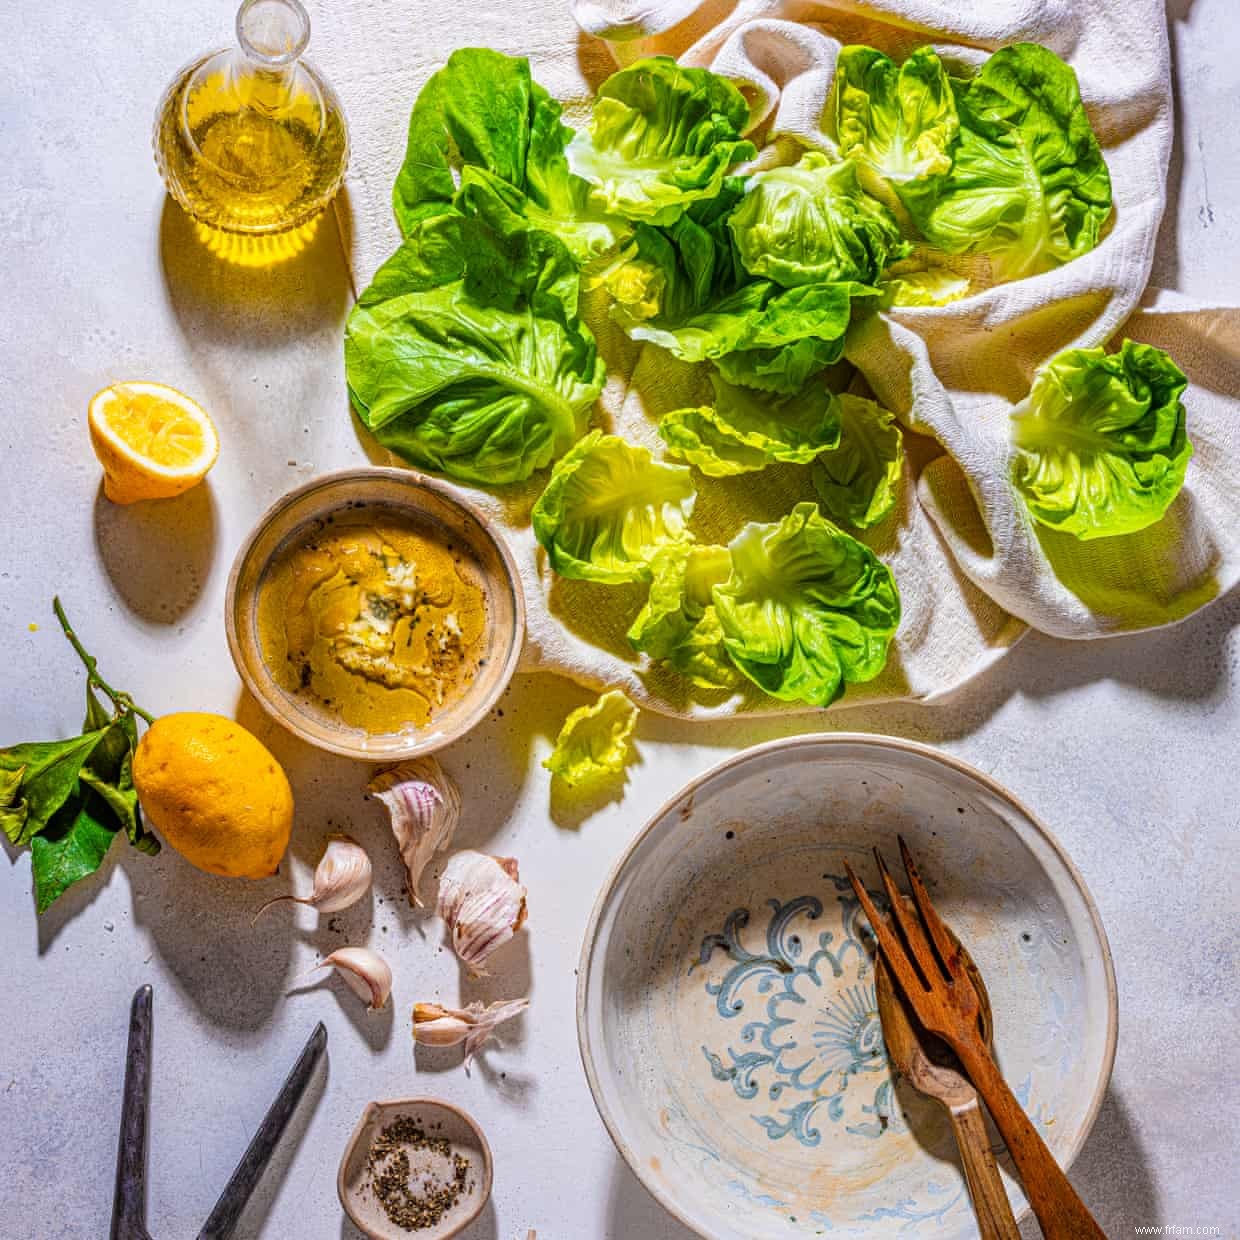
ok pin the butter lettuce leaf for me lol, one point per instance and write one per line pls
(590, 236)
(744, 431)
(685, 289)
(899, 122)
(487, 376)
(671, 273)
(807, 608)
(595, 740)
(484, 119)
(1101, 444)
(609, 507)
(661, 136)
(760, 320)
(432, 254)
(930, 286)
(1028, 184)
(481, 394)
(812, 223)
(476, 110)
(859, 482)
(679, 624)
(759, 334)
(795, 334)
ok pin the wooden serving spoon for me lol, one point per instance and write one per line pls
(931, 1068)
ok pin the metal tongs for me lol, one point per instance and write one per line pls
(129, 1204)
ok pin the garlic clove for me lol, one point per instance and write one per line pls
(483, 902)
(425, 806)
(341, 878)
(435, 1025)
(367, 974)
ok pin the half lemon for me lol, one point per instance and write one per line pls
(152, 441)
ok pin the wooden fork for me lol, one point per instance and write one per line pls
(929, 968)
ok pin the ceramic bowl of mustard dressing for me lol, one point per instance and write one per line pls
(375, 614)
(726, 1010)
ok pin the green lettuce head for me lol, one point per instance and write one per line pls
(1028, 184)
(1100, 445)
(661, 137)
(898, 121)
(813, 223)
(807, 609)
(609, 507)
(679, 624)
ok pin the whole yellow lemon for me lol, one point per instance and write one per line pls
(215, 792)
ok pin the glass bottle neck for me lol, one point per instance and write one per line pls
(273, 34)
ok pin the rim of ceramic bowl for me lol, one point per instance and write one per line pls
(359, 1130)
(415, 482)
(586, 961)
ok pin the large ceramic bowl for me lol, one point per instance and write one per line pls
(725, 1000)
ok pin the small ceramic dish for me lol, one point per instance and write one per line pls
(436, 1119)
(426, 505)
(726, 1010)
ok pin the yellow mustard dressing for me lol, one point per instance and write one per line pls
(373, 621)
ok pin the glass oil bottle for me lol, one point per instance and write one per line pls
(251, 141)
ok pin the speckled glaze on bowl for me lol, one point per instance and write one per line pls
(436, 507)
(725, 1000)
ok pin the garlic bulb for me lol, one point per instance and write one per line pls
(434, 1025)
(341, 879)
(367, 973)
(483, 904)
(425, 807)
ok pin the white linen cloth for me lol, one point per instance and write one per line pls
(972, 569)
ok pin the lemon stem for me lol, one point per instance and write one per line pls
(121, 701)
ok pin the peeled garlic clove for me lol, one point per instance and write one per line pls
(366, 973)
(434, 1025)
(341, 879)
(483, 904)
(425, 807)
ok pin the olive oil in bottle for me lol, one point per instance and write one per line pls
(251, 141)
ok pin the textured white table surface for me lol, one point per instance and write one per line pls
(1129, 749)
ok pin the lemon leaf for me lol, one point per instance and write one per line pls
(72, 847)
(49, 776)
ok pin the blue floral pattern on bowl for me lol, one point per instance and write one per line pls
(816, 1048)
